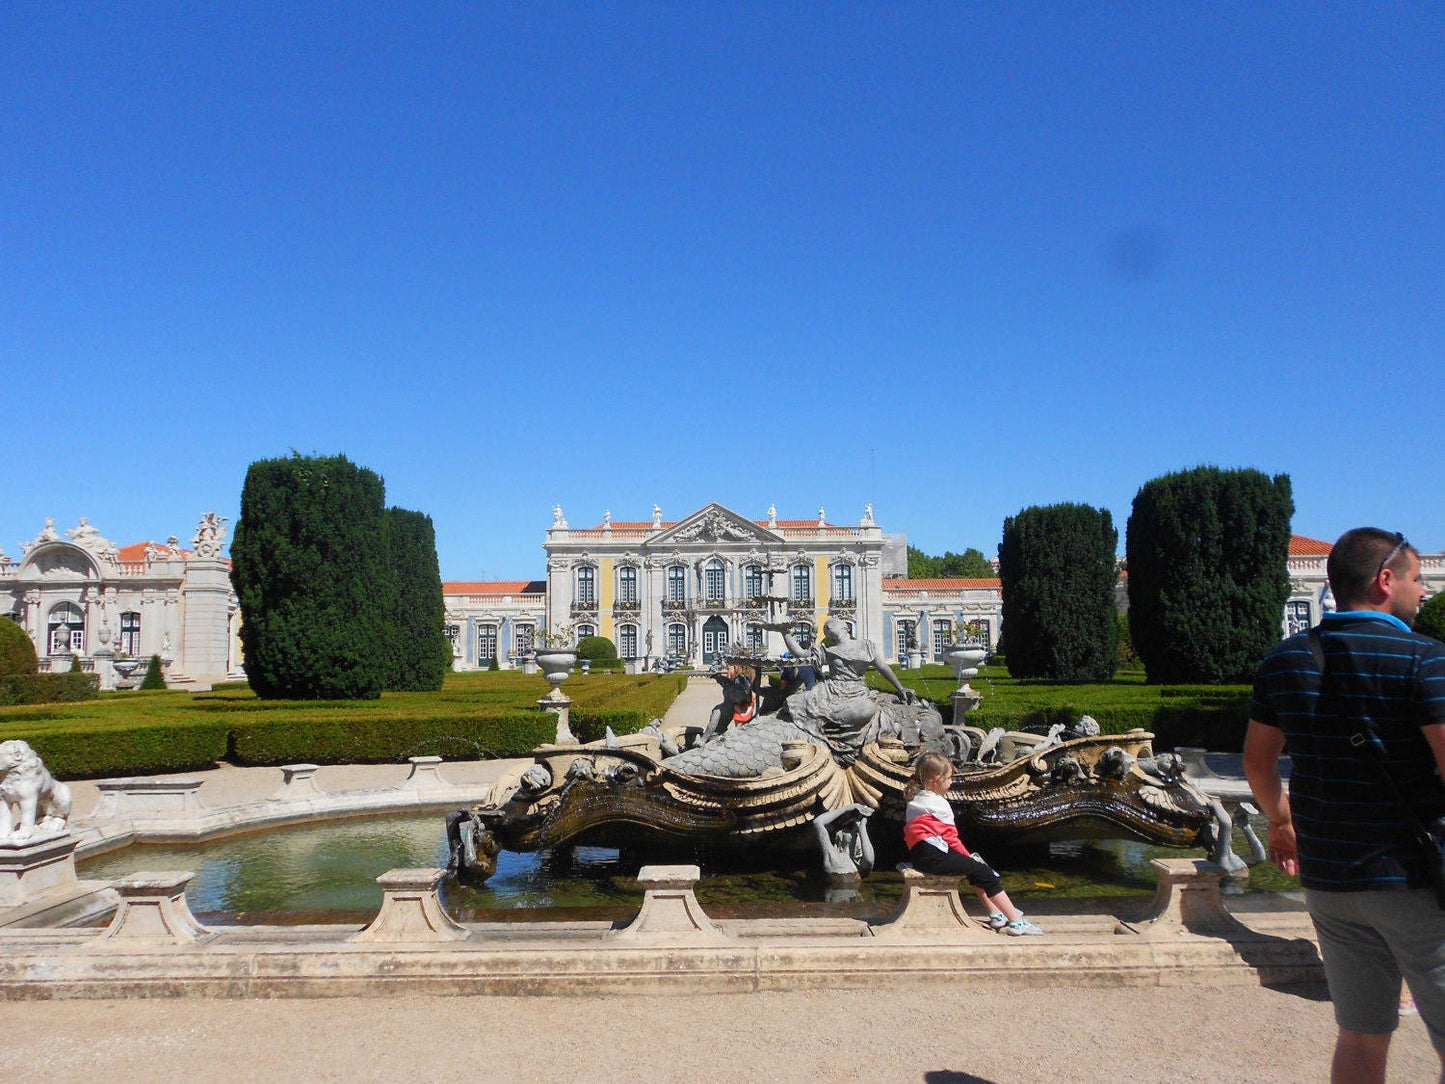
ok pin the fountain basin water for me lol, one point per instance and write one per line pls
(326, 872)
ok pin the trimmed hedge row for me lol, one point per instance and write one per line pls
(119, 749)
(66, 688)
(152, 733)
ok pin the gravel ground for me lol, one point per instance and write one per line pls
(908, 1033)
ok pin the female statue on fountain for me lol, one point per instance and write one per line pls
(841, 709)
(840, 712)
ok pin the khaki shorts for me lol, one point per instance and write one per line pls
(1369, 940)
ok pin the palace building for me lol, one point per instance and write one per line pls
(113, 607)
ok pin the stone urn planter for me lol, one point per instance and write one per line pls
(965, 660)
(556, 663)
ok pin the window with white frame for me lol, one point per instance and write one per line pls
(526, 637)
(627, 584)
(677, 640)
(587, 585)
(1296, 616)
(755, 638)
(907, 637)
(942, 634)
(67, 629)
(752, 581)
(676, 583)
(843, 583)
(713, 580)
(130, 633)
(586, 630)
(627, 641)
(803, 633)
(802, 583)
(486, 641)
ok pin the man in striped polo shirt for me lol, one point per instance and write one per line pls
(1341, 828)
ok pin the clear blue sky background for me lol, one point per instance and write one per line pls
(953, 259)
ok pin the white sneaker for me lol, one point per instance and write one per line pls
(1022, 927)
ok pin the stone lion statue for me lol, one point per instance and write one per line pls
(32, 801)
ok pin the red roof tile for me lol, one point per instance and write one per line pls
(1300, 546)
(494, 587)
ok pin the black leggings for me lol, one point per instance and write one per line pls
(927, 858)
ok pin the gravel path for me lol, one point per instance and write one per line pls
(940, 1034)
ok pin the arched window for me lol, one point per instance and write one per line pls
(130, 633)
(627, 585)
(587, 585)
(755, 638)
(676, 583)
(843, 583)
(713, 579)
(67, 629)
(677, 640)
(584, 631)
(752, 581)
(627, 641)
(802, 583)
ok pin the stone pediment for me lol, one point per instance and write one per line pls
(711, 525)
(59, 561)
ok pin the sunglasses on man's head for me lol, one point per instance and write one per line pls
(1400, 544)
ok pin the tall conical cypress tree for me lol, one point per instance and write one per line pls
(1208, 559)
(311, 569)
(1057, 565)
(421, 654)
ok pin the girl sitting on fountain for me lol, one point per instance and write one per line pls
(934, 847)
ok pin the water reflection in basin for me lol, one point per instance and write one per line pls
(326, 872)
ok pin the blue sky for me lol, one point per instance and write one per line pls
(953, 259)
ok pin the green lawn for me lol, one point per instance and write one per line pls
(1213, 716)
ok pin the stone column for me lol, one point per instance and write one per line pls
(205, 631)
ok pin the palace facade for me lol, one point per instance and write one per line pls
(684, 590)
(113, 607)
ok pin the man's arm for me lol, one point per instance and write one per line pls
(1435, 735)
(1262, 748)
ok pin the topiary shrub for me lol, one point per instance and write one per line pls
(17, 653)
(75, 667)
(311, 565)
(596, 648)
(155, 675)
(493, 664)
(1431, 619)
(1056, 565)
(1208, 554)
(421, 654)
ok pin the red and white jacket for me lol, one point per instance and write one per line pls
(930, 819)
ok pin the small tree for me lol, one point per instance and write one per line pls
(1057, 568)
(311, 568)
(421, 654)
(17, 653)
(1208, 553)
(971, 564)
(1431, 619)
(75, 667)
(155, 675)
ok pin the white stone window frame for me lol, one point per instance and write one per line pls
(586, 584)
(676, 583)
(715, 579)
(488, 633)
(627, 641)
(627, 583)
(800, 582)
(845, 586)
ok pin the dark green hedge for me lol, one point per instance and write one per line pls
(120, 750)
(64, 688)
(17, 653)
